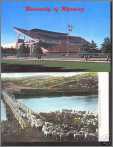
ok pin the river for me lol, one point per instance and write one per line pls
(51, 104)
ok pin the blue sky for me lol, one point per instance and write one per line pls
(92, 24)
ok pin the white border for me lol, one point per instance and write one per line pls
(103, 106)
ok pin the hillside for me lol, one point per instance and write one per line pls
(82, 83)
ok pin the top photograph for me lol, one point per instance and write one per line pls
(56, 36)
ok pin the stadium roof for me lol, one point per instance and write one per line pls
(38, 33)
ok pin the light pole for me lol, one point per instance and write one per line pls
(69, 29)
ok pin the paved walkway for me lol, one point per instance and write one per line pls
(101, 60)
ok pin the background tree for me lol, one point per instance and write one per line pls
(106, 46)
(85, 47)
(26, 51)
(89, 46)
(37, 52)
(21, 50)
(93, 45)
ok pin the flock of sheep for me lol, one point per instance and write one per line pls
(49, 130)
(58, 132)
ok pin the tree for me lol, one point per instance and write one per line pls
(106, 46)
(89, 46)
(37, 52)
(86, 47)
(21, 50)
(26, 51)
(93, 45)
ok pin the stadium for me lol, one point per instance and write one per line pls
(57, 44)
(52, 51)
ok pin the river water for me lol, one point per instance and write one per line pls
(51, 104)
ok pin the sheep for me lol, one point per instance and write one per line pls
(46, 131)
(32, 124)
(60, 134)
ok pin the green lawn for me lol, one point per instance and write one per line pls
(76, 65)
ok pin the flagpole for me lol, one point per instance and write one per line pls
(69, 29)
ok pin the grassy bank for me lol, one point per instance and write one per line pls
(59, 65)
(81, 84)
(46, 93)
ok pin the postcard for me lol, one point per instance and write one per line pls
(55, 108)
(56, 73)
(60, 36)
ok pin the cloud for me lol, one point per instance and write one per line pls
(13, 44)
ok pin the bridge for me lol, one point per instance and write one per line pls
(23, 115)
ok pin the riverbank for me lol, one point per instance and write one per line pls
(38, 93)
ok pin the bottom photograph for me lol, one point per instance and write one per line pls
(49, 107)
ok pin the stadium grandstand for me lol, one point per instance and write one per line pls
(52, 43)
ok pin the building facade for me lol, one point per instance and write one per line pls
(55, 42)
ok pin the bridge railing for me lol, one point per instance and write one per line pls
(14, 109)
(18, 109)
